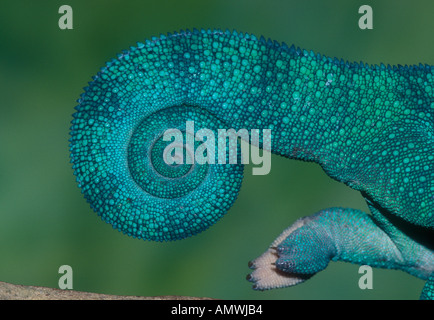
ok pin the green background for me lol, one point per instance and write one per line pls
(44, 220)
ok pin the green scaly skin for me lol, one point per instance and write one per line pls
(370, 127)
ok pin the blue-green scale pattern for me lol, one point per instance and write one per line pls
(370, 127)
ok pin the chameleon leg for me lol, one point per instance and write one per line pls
(307, 246)
(428, 290)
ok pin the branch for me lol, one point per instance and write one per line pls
(10, 291)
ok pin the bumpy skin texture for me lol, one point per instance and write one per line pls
(370, 127)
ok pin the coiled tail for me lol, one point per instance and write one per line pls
(119, 140)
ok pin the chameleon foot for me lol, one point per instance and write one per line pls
(333, 234)
(267, 274)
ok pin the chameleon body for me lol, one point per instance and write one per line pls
(370, 127)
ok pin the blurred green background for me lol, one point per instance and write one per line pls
(44, 220)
